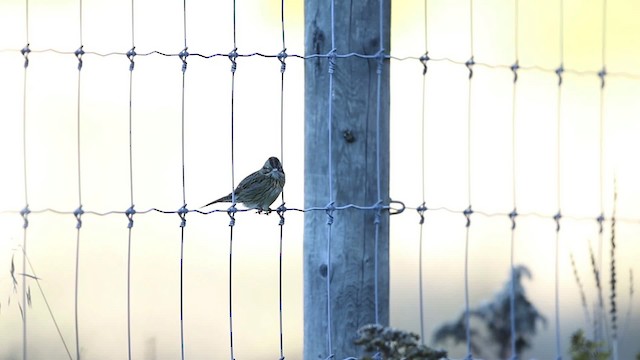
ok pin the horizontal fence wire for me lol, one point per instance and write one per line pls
(395, 207)
(332, 54)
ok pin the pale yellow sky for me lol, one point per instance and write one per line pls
(52, 166)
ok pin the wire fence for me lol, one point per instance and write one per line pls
(183, 211)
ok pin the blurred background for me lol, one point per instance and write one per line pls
(539, 36)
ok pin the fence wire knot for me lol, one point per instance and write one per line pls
(559, 72)
(332, 56)
(233, 55)
(514, 69)
(423, 59)
(280, 211)
(282, 56)
(25, 52)
(329, 209)
(78, 214)
(24, 213)
(231, 211)
(182, 212)
(469, 64)
(512, 216)
(421, 210)
(600, 220)
(602, 74)
(129, 213)
(380, 56)
(467, 214)
(183, 55)
(378, 215)
(78, 53)
(557, 218)
(130, 55)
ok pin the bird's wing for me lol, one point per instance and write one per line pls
(248, 182)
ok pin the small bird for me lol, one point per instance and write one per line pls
(260, 189)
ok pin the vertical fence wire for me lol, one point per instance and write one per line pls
(512, 295)
(421, 209)
(602, 133)
(330, 205)
(183, 210)
(468, 211)
(602, 327)
(78, 212)
(231, 211)
(376, 298)
(25, 212)
(558, 216)
(130, 212)
(282, 57)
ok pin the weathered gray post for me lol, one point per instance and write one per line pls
(354, 179)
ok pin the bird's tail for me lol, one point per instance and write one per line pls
(222, 199)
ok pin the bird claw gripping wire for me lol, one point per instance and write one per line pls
(557, 218)
(78, 53)
(129, 213)
(280, 211)
(467, 214)
(423, 59)
(559, 72)
(282, 56)
(514, 69)
(469, 64)
(512, 217)
(231, 211)
(130, 55)
(24, 213)
(25, 52)
(183, 55)
(421, 210)
(182, 212)
(78, 214)
(233, 55)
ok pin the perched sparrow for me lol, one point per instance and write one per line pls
(260, 189)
